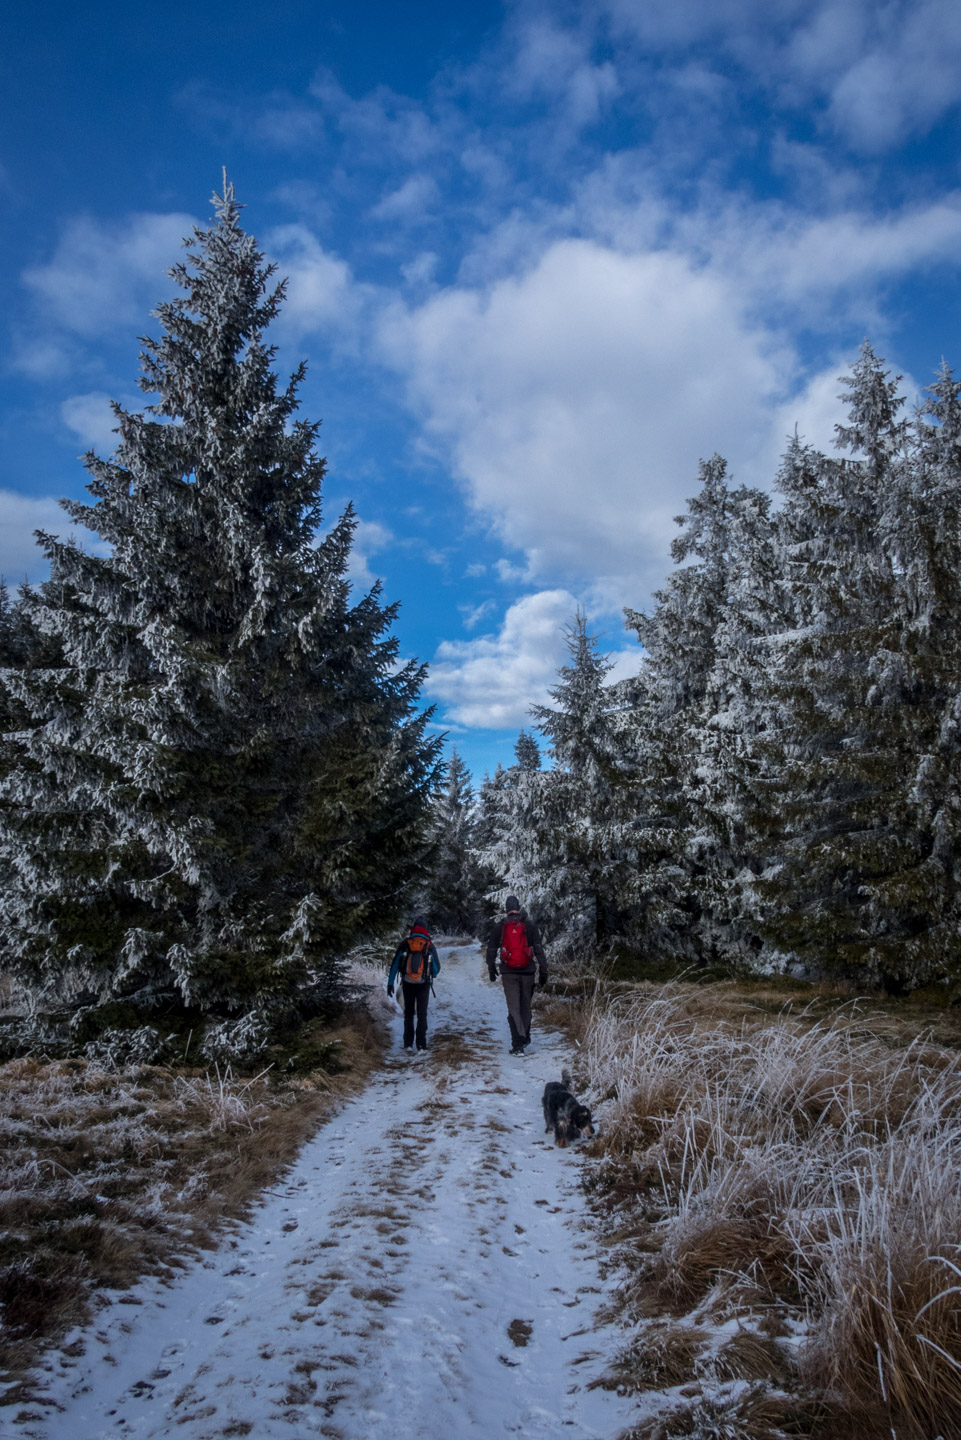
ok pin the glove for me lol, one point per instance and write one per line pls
(492, 973)
(542, 980)
(390, 991)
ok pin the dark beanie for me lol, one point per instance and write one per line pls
(512, 903)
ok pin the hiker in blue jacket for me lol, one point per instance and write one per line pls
(416, 963)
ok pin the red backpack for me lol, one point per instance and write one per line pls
(516, 954)
(417, 969)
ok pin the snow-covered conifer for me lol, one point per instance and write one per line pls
(727, 775)
(509, 838)
(453, 895)
(224, 780)
(664, 727)
(838, 765)
(527, 752)
(574, 814)
(488, 826)
(914, 905)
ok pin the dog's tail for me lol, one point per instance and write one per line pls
(566, 1078)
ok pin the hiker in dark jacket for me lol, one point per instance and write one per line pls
(416, 963)
(517, 942)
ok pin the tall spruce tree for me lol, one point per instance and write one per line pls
(838, 760)
(511, 843)
(577, 816)
(727, 773)
(664, 728)
(225, 778)
(453, 894)
(488, 826)
(914, 905)
(527, 752)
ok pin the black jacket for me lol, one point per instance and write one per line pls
(533, 940)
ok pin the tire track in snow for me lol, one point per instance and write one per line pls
(426, 1269)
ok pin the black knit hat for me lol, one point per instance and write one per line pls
(512, 903)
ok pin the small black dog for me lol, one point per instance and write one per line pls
(564, 1112)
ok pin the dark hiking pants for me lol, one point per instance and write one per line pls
(415, 998)
(518, 989)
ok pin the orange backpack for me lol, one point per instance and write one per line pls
(417, 969)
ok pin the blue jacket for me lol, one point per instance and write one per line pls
(400, 962)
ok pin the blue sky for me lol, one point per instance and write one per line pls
(542, 258)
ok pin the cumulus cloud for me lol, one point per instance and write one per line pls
(370, 537)
(20, 516)
(322, 294)
(808, 262)
(882, 70)
(474, 614)
(92, 421)
(552, 62)
(381, 122)
(103, 278)
(492, 681)
(409, 203)
(575, 400)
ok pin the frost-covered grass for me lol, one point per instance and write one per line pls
(785, 1193)
(110, 1172)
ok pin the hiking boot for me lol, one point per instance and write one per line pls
(517, 1049)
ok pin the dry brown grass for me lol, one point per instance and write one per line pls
(735, 1413)
(107, 1174)
(794, 1168)
(664, 1357)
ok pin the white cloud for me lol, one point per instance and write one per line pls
(492, 681)
(321, 291)
(379, 123)
(20, 516)
(896, 72)
(883, 70)
(370, 537)
(410, 203)
(810, 262)
(554, 63)
(575, 400)
(104, 278)
(474, 614)
(92, 421)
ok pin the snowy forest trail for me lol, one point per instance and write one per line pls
(426, 1270)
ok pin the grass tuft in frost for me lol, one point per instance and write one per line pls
(801, 1176)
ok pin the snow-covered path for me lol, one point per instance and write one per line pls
(425, 1271)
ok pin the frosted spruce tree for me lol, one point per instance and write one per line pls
(664, 729)
(729, 775)
(577, 817)
(510, 839)
(487, 826)
(527, 753)
(20, 648)
(918, 904)
(839, 759)
(225, 781)
(453, 896)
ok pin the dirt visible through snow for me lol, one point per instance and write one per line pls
(427, 1270)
